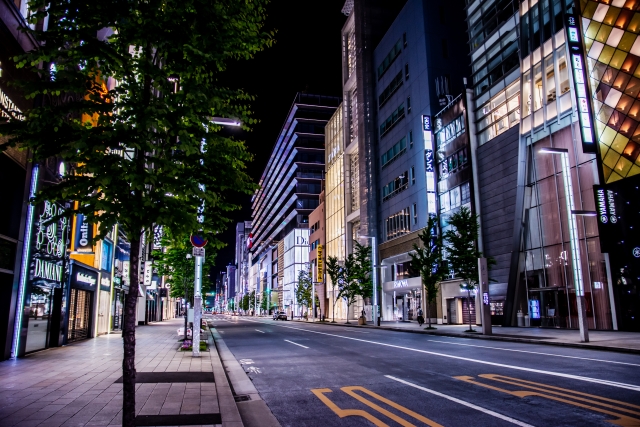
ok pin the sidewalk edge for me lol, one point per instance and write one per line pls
(489, 338)
(253, 412)
(226, 402)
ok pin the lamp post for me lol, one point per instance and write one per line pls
(375, 315)
(573, 238)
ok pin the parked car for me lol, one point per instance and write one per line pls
(279, 315)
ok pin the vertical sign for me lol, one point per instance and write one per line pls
(609, 227)
(320, 265)
(578, 66)
(429, 164)
(83, 235)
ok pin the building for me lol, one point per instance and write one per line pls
(243, 243)
(288, 193)
(317, 259)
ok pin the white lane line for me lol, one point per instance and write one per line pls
(295, 343)
(483, 362)
(536, 352)
(262, 332)
(462, 402)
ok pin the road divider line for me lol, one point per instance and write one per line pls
(536, 352)
(295, 343)
(462, 402)
(262, 332)
(468, 359)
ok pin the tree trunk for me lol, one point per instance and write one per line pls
(129, 340)
(429, 311)
(469, 308)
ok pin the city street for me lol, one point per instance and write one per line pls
(322, 375)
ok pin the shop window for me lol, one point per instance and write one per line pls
(537, 87)
(550, 76)
(526, 94)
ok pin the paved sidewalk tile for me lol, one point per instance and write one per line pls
(75, 385)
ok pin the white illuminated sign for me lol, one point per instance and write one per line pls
(400, 283)
(48, 270)
(85, 278)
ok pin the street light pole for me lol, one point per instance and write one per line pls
(375, 315)
(573, 239)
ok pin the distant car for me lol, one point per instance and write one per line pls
(235, 313)
(279, 315)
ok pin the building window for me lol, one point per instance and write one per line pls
(453, 164)
(406, 71)
(390, 90)
(394, 152)
(396, 186)
(446, 134)
(408, 104)
(413, 175)
(502, 112)
(397, 224)
(414, 208)
(388, 60)
(498, 60)
(391, 121)
(410, 139)
(404, 39)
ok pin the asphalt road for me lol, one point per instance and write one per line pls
(322, 375)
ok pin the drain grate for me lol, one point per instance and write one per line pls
(242, 397)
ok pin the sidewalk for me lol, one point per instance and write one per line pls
(77, 384)
(626, 342)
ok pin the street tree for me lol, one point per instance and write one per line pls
(427, 260)
(335, 272)
(304, 289)
(124, 92)
(349, 288)
(362, 272)
(463, 253)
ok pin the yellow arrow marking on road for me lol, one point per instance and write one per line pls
(319, 392)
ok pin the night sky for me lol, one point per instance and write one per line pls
(305, 58)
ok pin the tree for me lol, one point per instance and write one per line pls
(244, 303)
(335, 272)
(362, 272)
(304, 289)
(172, 262)
(124, 93)
(252, 300)
(427, 260)
(349, 288)
(463, 252)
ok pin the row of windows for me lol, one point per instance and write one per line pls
(388, 60)
(306, 157)
(488, 18)
(390, 89)
(308, 188)
(397, 224)
(499, 60)
(307, 204)
(315, 227)
(544, 83)
(446, 134)
(396, 186)
(540, 22)
(314, 245)
(394, 152)
(391, 121)
(455, 197)
(454, 163)
(499, 114)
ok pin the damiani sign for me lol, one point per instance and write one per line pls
(47, 270)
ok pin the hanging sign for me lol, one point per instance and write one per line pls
(581, 90)
(83, 235)
(320, 264)
(198, 241)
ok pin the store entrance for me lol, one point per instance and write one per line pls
(79, 315)
(548, 307)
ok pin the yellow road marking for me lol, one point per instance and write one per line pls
(319, 392)
(549, 392)
(351, 392)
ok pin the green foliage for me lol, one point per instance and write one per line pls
(354, 278)
(427, 260)
(335, 273)
(304, 288)
(142, 151)
(173, 263)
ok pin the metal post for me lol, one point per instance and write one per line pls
(375, 315)
(197, 307)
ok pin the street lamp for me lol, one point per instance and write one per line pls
(573, 238)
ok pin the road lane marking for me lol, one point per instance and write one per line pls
(484, 362)
(319, 392)
(262, 332)
(462, 402)
(351, 392)
(295, 343)
(570, 397)
(536, 352)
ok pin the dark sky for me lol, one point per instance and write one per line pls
(305, 58)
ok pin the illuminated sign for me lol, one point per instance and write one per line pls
(578, 67)
(485, 298)
(85, 278)
(47, 270)
(428, 160)
(426, 123)
(84, 235)
(7, 108)
(320, 264)
(400, 283)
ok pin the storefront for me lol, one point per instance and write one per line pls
(104, 301)
(83, 286)
(44, 301)
(402, 299)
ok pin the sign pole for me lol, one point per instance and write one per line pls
(483, 273)
(197, 304)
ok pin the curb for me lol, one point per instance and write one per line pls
(489, 338)
(252, 410)
(226, 402)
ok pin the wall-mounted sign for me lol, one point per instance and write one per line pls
(320, 264)
(426, 123)
(578, 66)
(148, 270)
(84, 235)
(47, 270)
(400, 283)
(82, 277)
(608, 217)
